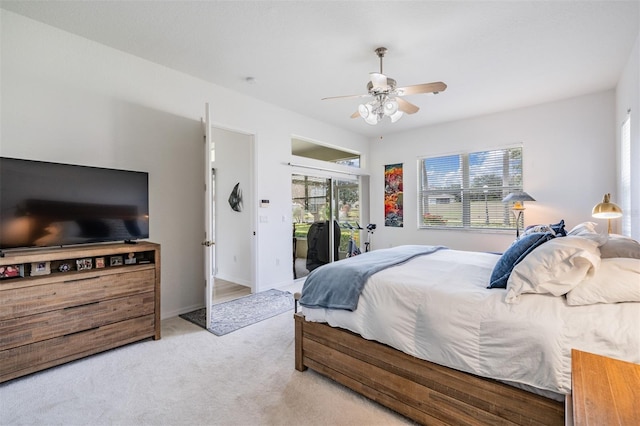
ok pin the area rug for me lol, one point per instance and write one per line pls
(236, 314)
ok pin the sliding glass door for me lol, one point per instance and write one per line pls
(347, 213)
(321, 209)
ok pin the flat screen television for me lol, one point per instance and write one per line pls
(45, 204)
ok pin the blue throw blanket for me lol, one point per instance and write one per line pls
(338, 285)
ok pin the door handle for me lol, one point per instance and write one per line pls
(208, 243)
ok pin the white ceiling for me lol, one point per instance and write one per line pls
(494, 56)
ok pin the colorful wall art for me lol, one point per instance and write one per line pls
(393, 215)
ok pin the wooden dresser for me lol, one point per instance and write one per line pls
(605, 391)
(76, 301)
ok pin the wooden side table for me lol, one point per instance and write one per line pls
(605, 391)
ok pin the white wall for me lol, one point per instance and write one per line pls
(628, 98)
(233, 236)
(68, 99)
(569, 158)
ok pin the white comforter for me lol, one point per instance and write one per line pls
(437, 307)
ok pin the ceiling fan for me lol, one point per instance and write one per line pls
(386, 96)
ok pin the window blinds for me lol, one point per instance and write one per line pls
(466, 190)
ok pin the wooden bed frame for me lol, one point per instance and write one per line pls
(420, 390)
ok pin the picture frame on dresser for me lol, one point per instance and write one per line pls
(83, 264)
(40, 268)
(11, 271)
(115, 261)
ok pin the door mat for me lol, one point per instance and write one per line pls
(235, 314)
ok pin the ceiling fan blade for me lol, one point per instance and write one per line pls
(346, 96)
(379, 81)
(407, 107)
(435, 87)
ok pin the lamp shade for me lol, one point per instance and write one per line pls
(606, 209)
(367, 112)
(390, 107)
(396, 116)
(364, 110)
(517, 198)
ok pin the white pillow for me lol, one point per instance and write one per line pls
(555, 267)
(588, 230)
(584, 227)
(617, 280)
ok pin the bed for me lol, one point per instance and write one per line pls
(429, 340)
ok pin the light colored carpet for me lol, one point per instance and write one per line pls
(190, 377)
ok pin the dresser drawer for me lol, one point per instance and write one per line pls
(73, 291)
(26, 330)
(29, 358)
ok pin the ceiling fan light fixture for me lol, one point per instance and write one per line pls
(367, 112)
(396, 116)
(372, 119)
(390, 107)
(364, 110)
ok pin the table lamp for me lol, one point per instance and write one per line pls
(518, 198)
(606, 210)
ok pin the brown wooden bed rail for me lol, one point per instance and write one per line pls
(420, 390)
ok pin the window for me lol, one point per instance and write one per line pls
(625, 178)
(303, 148)
(466, 190)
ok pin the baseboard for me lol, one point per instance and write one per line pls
(176, 312)
(239, 281)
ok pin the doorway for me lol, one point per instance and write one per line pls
(233, 255)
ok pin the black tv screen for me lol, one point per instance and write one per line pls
(45, 204)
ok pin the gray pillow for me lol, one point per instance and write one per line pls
(620, 246)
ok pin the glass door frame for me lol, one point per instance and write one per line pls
(332, 188)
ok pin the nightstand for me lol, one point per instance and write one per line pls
(605, 391)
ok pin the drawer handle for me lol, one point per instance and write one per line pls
(81, 306)
(78, 279)
(82, 331)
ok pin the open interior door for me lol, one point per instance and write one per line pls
(208, 241)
